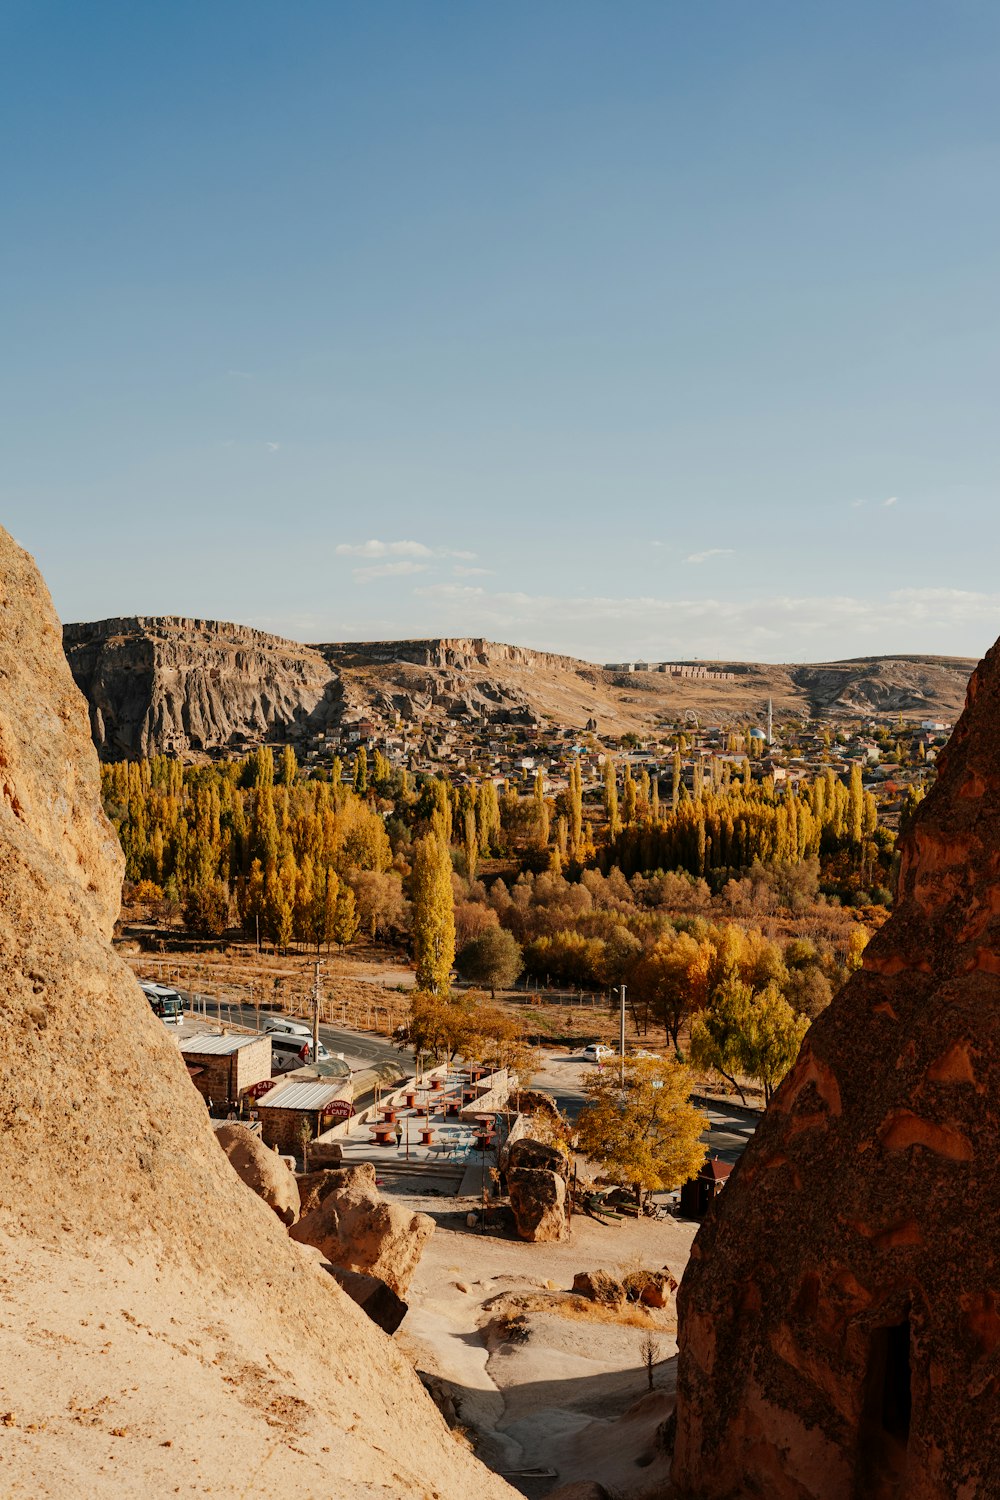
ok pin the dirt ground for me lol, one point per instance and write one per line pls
(538, 1380)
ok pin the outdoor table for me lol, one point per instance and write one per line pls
(383, 1135)
(389, 1115)
(484, 1139)
(411, 1099)
(437, 1083)
(426, 1135)
(454, 1108)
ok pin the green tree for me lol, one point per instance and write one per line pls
(433, 913)
(493, 959)
(646, 1135)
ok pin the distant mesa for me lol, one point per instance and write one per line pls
(171, 685)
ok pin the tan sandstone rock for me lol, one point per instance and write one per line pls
(261, 1169)
(355, 1228)
(536, 1183)
(599, 1286)
(840, 1318)
(159, 1332)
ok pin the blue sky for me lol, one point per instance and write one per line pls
(663, 329)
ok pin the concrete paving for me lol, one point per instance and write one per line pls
(451, 1158)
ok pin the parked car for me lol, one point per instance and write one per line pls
(597, 1052)
(285, 1026)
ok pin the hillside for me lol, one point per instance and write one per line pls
(159, 1332)
(194, 686)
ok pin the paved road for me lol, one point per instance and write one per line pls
(360, 1048)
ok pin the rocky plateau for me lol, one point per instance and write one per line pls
(194, 687)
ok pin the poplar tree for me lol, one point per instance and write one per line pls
(611, 797)
(433, 913)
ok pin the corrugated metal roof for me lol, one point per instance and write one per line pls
(301, 1096)
(217, 1046)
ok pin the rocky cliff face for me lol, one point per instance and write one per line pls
(174, 685)
(840, 1318)
(186, 687)
(159, 1333)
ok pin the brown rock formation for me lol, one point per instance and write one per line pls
(172, 685)
(355, 1228)
(263, 1171)
(168, 684)
(378, 1301)
(599, 1286)
(840, 1318)
(536, 1183)
(159, 1333)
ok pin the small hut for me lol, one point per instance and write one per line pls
(698, 1192)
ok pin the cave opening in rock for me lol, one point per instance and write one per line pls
(886, 1409)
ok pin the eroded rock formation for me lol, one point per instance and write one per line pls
(159, 1332)
(355, 1228)
(536, 1182)
(262, 1169)
(840, 1316)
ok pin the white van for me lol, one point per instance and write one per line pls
(290, 1052)
(286, 1027)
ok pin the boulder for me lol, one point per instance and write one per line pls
(529, 1155)
(600, 1287)
(371, 1293)
(651, 1288)
(538, 1202)
(839, 1320)
(659, 1289)
(355, 1228)
(261, 1169)
(324, 1154)
(314, 1186)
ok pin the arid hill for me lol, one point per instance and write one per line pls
(840, 1318)
(159, 1333)
(193, 686)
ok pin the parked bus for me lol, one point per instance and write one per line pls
(165, 1003)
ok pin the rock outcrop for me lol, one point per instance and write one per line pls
(379, 1301)
(601, 1287)
(840, 1317)
(176, 686)
(159, 1332)
(263, 1171)
(165, 684)
(354, 1228)
(536, 1183)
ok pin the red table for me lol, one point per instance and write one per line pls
(426, 1135)
(383, 1135)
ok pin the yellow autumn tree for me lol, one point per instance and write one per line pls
(647, 1134)
(433, 913)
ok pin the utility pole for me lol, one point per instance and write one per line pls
(621, 1041)
(315, 1040)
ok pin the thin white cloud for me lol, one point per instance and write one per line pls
(702, 557)
(272, 447)
(389, 570)
(892, 500)
(461, 571)
(374, 548)
(778, 628)
(857, 504)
